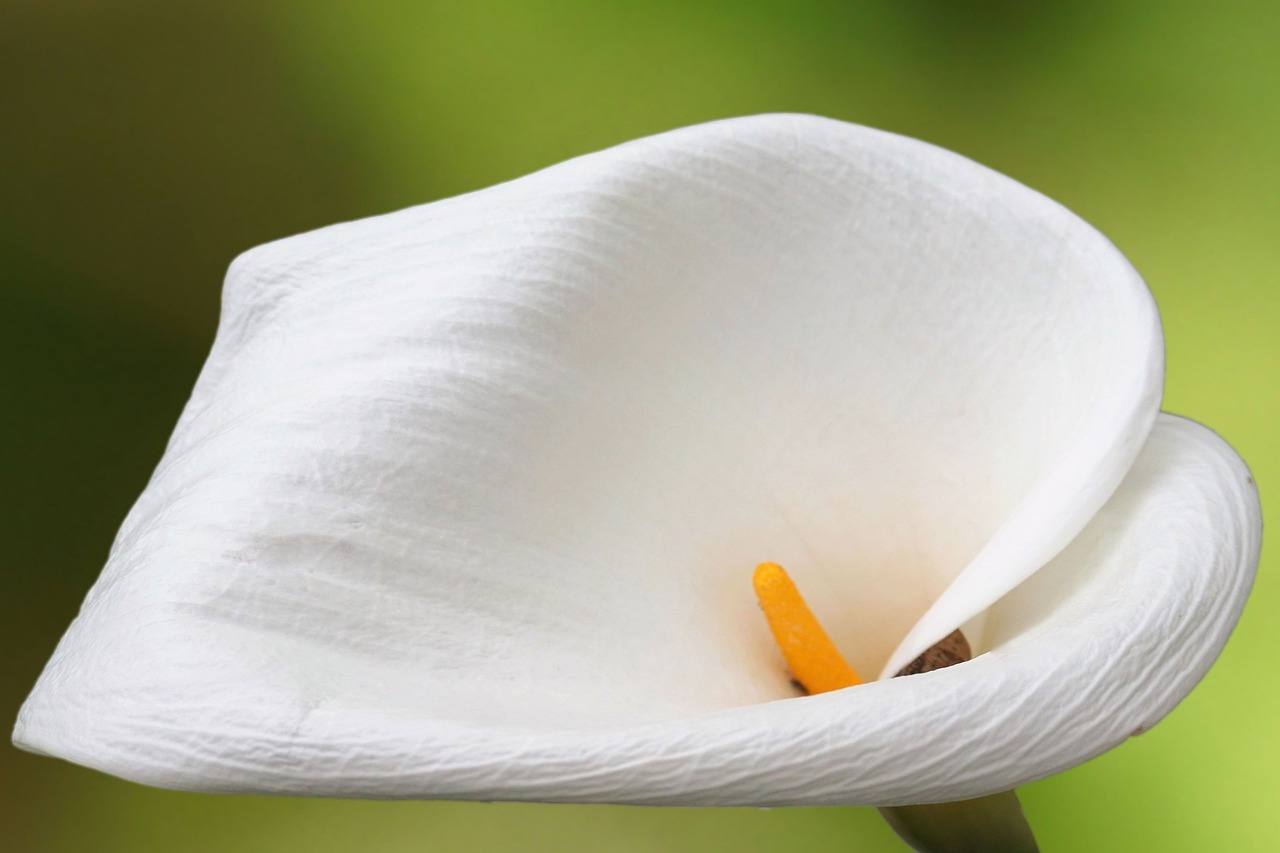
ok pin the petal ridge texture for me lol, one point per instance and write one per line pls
(466, 498)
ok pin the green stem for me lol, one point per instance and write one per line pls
(993, 824)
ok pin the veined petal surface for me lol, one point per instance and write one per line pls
(1098, 646)
(467, 497)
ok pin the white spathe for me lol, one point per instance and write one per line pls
(466, 500)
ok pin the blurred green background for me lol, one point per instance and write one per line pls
(146, 143)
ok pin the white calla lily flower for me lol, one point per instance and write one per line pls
(466, 501)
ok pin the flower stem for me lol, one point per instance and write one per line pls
(992, 824)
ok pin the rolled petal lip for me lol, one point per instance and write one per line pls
(490, 441)
(1097, 647)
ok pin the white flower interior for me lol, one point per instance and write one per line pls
(509, 459)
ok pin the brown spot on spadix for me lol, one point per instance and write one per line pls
(949, 651)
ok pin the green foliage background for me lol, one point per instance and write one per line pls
(144, 144)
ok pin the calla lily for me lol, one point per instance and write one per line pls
(466, 501)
